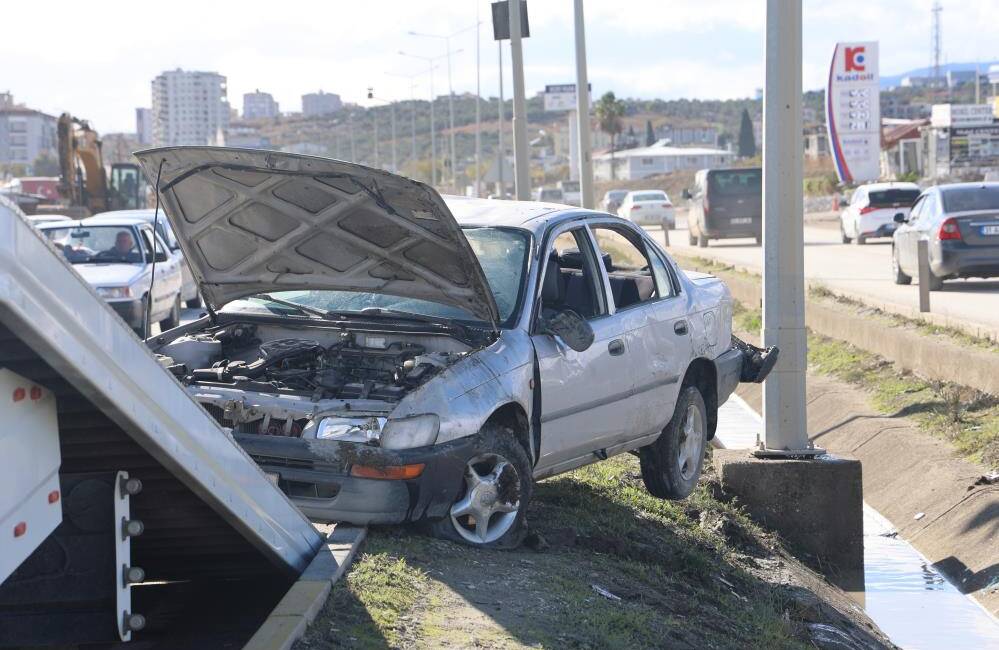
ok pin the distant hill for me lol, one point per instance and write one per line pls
(891, 81)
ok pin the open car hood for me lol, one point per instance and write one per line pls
(253, 221)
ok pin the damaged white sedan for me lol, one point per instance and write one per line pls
(386, 355)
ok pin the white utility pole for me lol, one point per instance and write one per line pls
(412, 110)
(521, 172)
(501, 159)
(786, 432)
(584, 151)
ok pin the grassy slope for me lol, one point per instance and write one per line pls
(692, 574)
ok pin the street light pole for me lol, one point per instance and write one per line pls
(502, 158)
(583, 111)
(521, 172)
(433, 131)
(412, 111)
(478, 104)
(785, 431)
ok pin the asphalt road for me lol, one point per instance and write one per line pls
(862, 272)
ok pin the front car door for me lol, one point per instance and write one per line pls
(580, 391)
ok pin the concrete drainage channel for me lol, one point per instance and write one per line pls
(298, 608)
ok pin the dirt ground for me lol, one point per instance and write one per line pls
(605, 566)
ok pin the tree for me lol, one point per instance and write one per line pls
(747, 141)
(650, 135)
(45, 165)
(609, 110)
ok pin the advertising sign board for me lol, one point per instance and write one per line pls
(853, 111)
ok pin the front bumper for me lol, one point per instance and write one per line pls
(130, 312)
(315, 474)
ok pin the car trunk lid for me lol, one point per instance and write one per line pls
(253, 221)
(980, 229)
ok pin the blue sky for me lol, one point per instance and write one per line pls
(98, 62)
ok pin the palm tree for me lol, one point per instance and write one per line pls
(609, 110)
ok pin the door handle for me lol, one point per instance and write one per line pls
(616, 347)
(680, 327)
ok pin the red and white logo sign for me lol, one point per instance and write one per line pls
(856, 60)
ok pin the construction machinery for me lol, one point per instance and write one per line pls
(86, 186)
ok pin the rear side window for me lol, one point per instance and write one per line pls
(732, 182)
(970, 198)
(893, 198)
(649, 196)
(628, 267)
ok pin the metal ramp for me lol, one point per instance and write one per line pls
(207, 511)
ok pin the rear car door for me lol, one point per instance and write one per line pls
(645, 298)
(581, 392)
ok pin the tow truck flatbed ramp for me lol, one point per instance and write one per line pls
(207, 510)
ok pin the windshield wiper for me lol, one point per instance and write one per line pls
(420, 318)
(303, 309)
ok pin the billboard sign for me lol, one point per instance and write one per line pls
(561, 97)
(853, 111)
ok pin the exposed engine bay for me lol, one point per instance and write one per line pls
(263, 379)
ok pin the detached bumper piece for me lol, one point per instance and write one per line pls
(756, 362)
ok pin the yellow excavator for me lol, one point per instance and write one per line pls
(85, 185)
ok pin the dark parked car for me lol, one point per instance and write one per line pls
(724, 204)
(961, 224)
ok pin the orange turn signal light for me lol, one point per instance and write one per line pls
(391, 472)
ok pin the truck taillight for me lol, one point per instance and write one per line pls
(949, 230)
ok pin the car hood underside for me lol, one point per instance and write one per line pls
(258, 221)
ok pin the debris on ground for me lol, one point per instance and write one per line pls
(603, 592)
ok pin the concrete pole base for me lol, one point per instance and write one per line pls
(816, 505)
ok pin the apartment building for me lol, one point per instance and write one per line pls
(189, 107)
(258, 105)
(24, 132)
(314, 104)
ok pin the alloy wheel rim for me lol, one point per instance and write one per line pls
(491, 502)
(691, 437)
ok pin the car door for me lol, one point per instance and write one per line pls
(164, 282)
(581, 392)
(656, 331)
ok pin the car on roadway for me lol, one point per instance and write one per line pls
(725, 204)
(549, 195)
(960, 223)
(612, 200)
(872, 209)
(571, 193)
(388, 355)
(115, 256)
(648, 208)
(189, 288)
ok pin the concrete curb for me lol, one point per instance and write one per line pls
(299, 606)
(932, 357)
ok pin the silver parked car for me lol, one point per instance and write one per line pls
(387, 355)
(115, 256)
(189, 288)
(960, 222)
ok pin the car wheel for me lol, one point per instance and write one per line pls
(491, 510)
(842, 234)
(672, 464)
(173, 320)
(194, 302)
(896, 269)
(702, 240)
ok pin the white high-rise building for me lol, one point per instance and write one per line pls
(320, 103)
(189, 108)
(257, 105)
(144, 125)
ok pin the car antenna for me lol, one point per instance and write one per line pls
(152, 273)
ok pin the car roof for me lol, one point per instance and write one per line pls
(906, 185)
(529, 215)
(644, 191)
(90, 221)
(966, 186)
(145, 215)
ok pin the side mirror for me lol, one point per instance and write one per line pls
(571, 328)
(686, 194)
(900, 217)
(161, 257)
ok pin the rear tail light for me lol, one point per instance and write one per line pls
(949, 230)
(636, 207)
(869, 208)
(667, 205)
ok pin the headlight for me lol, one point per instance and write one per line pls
(414, 431)
(114, 292)
(350, 429)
